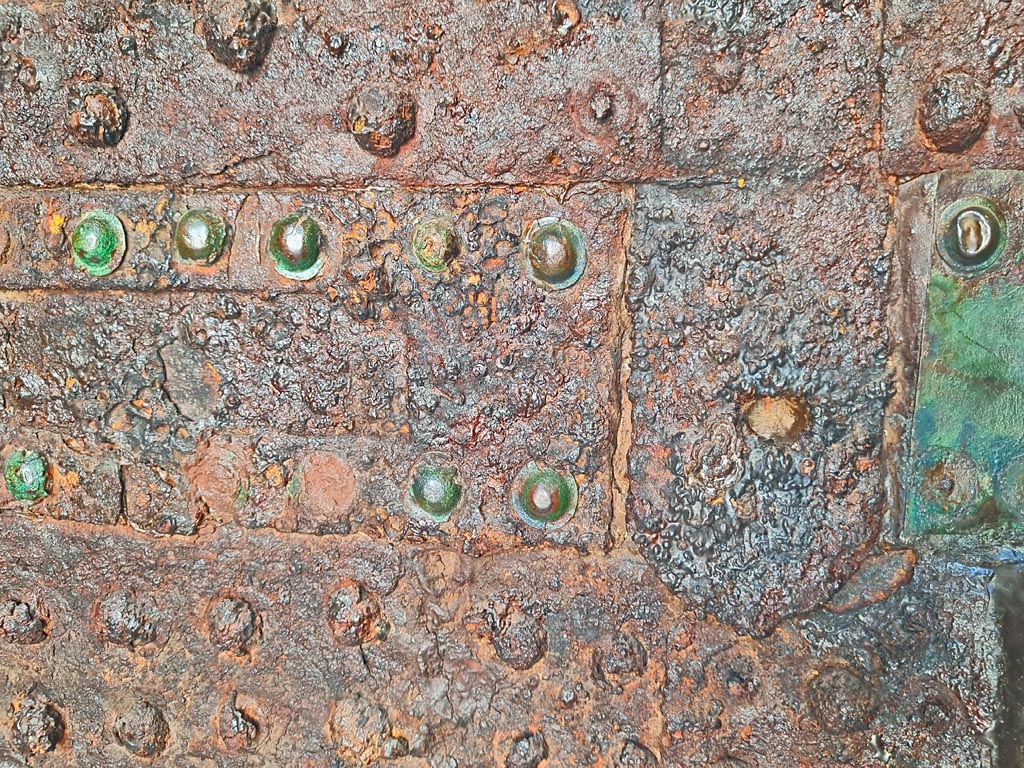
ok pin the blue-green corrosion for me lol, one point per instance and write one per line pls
(967, 464)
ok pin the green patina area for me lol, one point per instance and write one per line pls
(968, 439)
(435, 490)
(98, 243)
(25, 475)
(435, 245)
(294, 246)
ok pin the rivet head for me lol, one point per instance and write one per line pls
(26, 476)
(38, 726)
(233, 625)
(556, 255)
(435, 244)
(98, 243)
(97, 115)
(565, 16)
(295, 246)
(781, 419)
(949, 486)
(971, 234)
(199, 236)
(382, 121)
(434, 488)
(238, 727)
(239, 33)
(544, 497)
(954, 112)
(143, 730)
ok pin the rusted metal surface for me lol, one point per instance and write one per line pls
(524, 384)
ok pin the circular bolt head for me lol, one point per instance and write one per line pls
(954, 112)
(971, 234)
(382, 122)
(949, 486)
(565, 16)
(239, 33)
(98, 243)
(142, 730)
(435, 244)
(25, 475)
(544, 497)
(199, 236)
(434, 488)
(555, 253)
(294, 247)
(97, 115)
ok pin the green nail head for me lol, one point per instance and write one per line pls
(199, 236)
(98, 243)
(25, 475)
(435, 245)
(434, 488)
(556, 255)
(294, 246)
(544, 497)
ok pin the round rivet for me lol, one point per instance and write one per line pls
(199, 236)
(435, 244)
(38, 726)
(954, 112)
(382, 121)
(949, 486)
(337, 43)
(434, 488)
(782, 418)
(544, 497)
(238, 727)
(26, 476)
(143, 730)
(98, 243)
(239, 33)
(294, 247)
(555, 253)
(565, 15)
(354, 615)
(97, 115)
(971, 234)
(233, 624)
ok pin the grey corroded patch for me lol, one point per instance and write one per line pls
(758, 387)
(228, 96)
(769, 86)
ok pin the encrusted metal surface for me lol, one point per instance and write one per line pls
(519, 384)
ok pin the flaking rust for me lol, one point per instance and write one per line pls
(518, 384)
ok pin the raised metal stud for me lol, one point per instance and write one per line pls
(98, 243)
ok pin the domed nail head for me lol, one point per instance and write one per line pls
(435, 245)
(544, 497)
(199, 236)
(98, 243)
(434, 488)
(295, 247)
(555, 253)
